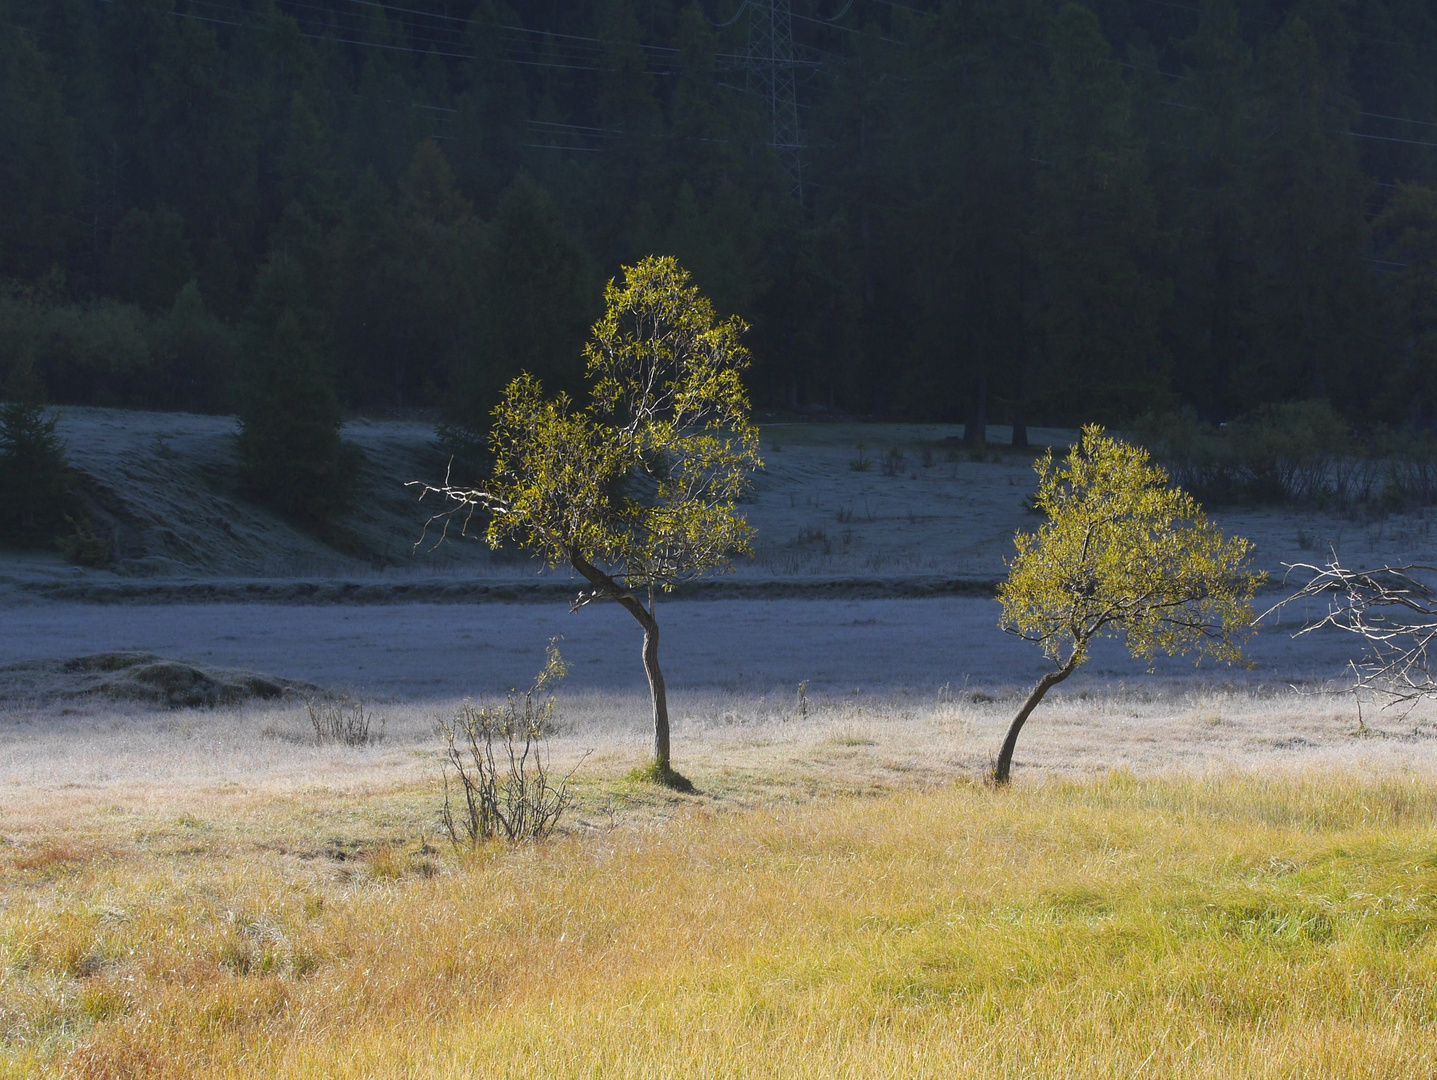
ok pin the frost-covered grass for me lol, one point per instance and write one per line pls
(171, 499)
(199, 893)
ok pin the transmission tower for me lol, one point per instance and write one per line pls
(771, 73)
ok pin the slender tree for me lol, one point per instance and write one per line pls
(637, 492)
(1121, 554)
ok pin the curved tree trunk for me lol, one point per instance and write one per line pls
(607, 588)
(1004, 766)
(658, 694)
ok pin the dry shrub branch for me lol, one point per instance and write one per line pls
(345, 722)
(499, 761)
(1393, 609)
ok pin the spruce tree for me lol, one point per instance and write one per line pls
(34, 485)
(532, 314)
(1096, 234)
(292, 458)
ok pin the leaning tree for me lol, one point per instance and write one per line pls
(638, 491)
(1120, 553)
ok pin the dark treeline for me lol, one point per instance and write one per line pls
(1022, 210)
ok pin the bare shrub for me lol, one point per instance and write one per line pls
(499, 758)
(1302, 452)
(345, 722)
(894, 462)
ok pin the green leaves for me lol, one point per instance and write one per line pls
(647, 479)
(1123, 553)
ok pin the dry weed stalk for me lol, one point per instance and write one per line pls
(500, 758)
(344, 721)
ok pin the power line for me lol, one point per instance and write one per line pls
(1400, 119)
(403, 10)
(409, 32)
(1388, 138)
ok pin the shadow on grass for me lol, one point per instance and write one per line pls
(652, 774)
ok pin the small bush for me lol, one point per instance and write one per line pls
(499, 758)
(81, 544)
(345, 722)
(1287, 451)
(110, 354)
(894, 462)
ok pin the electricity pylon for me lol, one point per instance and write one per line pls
(771, 73)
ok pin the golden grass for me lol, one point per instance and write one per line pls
(1243, 925)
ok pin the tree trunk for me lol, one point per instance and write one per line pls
(1004, 766)
(658, 694)
(1020, 431)
(975, 427)
(609, 589)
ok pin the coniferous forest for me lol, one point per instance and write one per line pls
(1022, 211)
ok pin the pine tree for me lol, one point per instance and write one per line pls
(34, 484)
(39, 174)
(1096, 233)
(532, 315)
(292, 458)
(1315, 298)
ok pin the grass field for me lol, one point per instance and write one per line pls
(841, 899)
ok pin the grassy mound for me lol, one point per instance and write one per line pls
(142, 678)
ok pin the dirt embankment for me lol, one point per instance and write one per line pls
(164, 489)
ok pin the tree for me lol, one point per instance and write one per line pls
(150, 258)
(39, 174)
(291, 454)
(407, 282)
(1095, 234)
(192, 356)
(1410, 221)
(1123, 554)
(1314, 302)
(34, 485)
(638, 491)
(1212, 321)
(533, 307)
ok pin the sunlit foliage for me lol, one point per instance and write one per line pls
(639, 491)
(1121, 553)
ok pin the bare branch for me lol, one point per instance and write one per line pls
(1392, 608)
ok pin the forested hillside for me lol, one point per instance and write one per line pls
(1017, 210)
